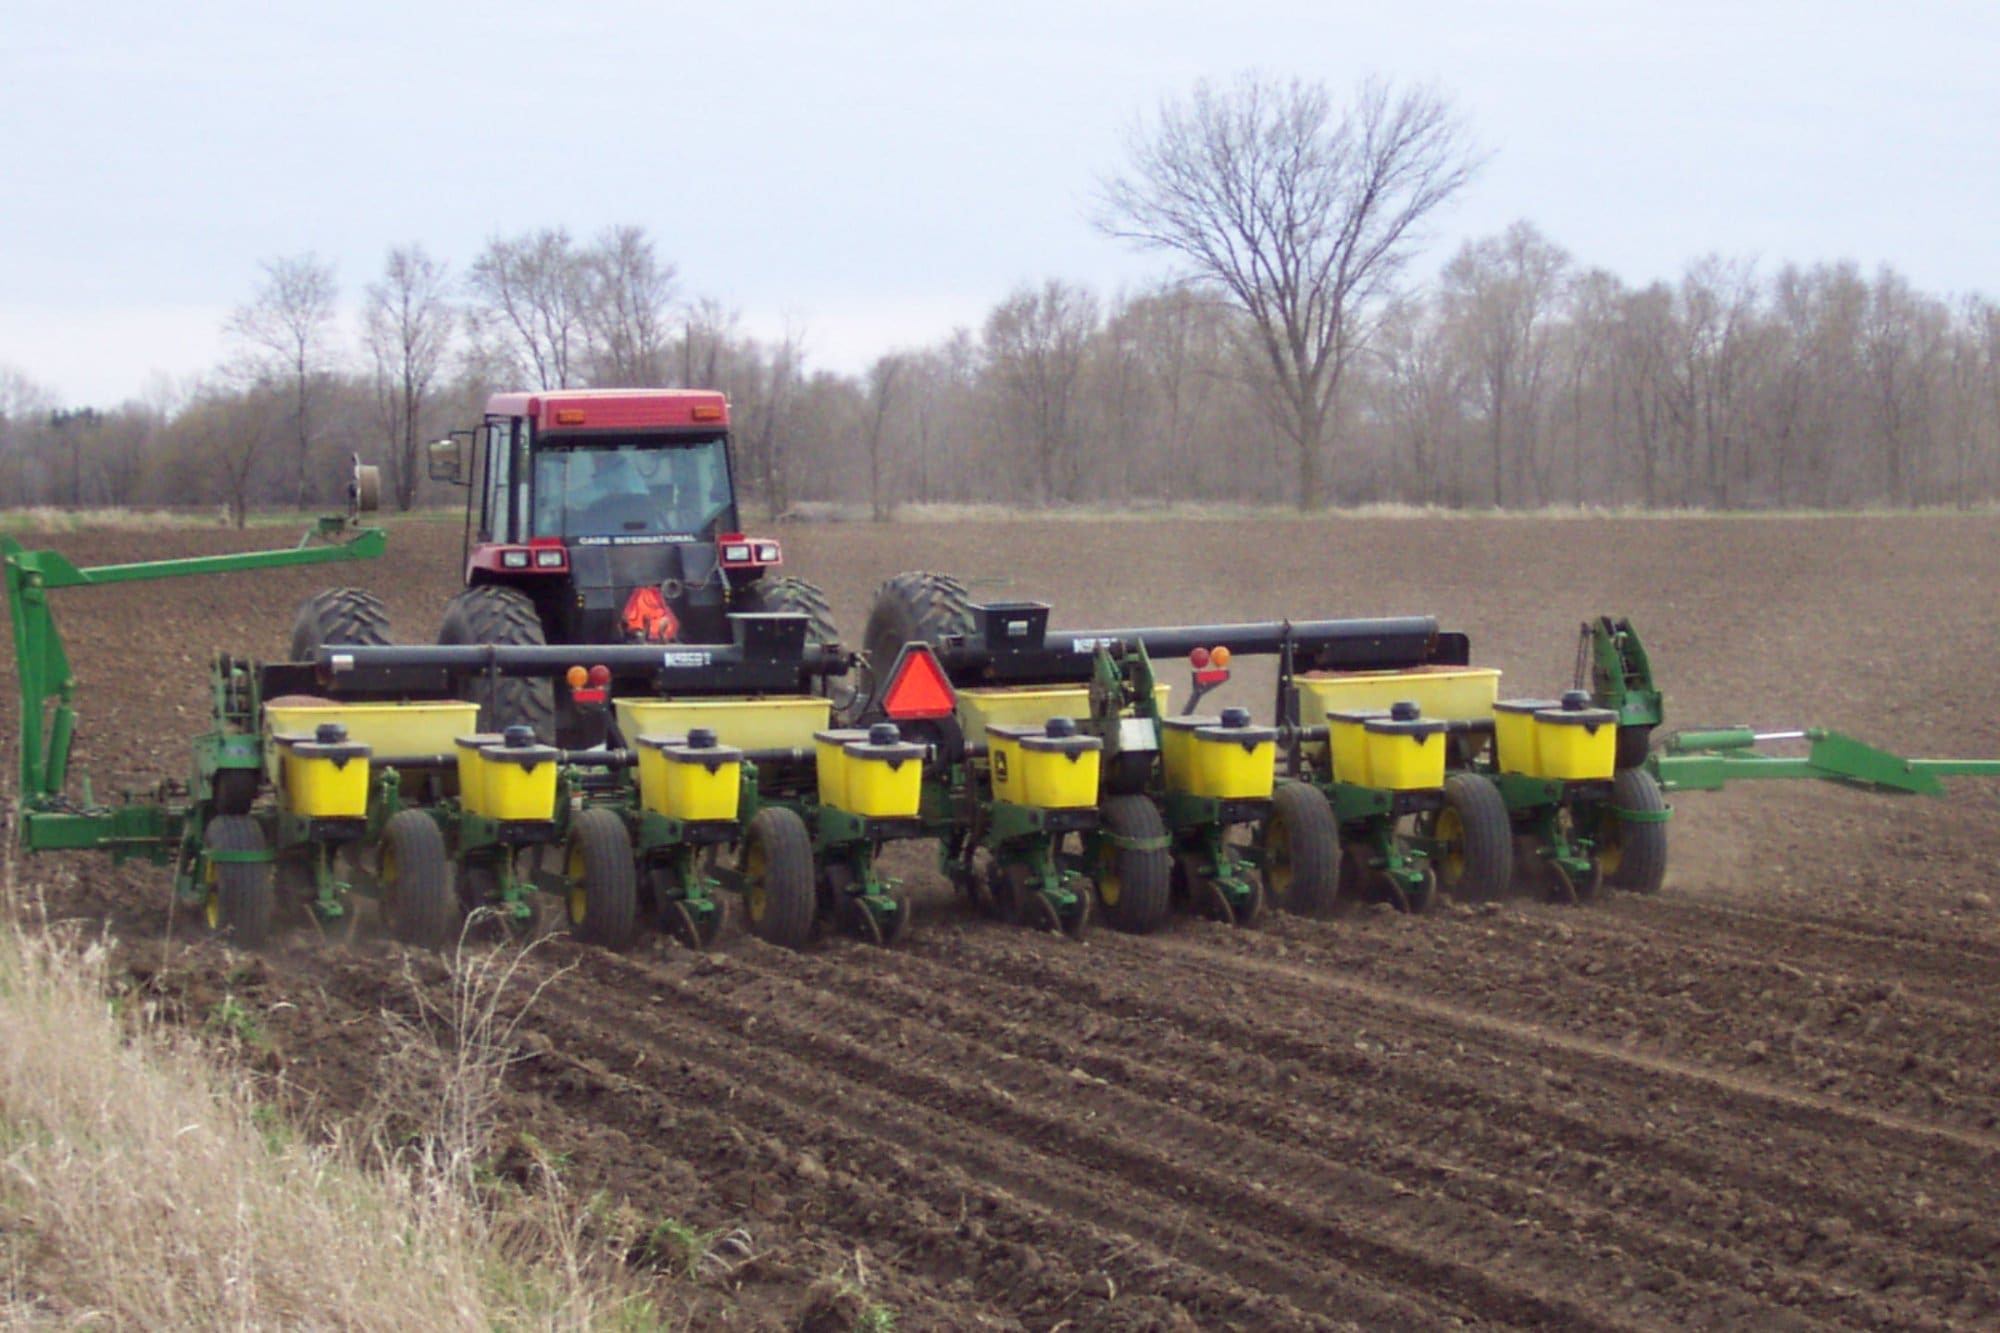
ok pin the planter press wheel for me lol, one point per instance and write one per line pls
(238, 901)
(1633, 856)
(777, 868)
(600, 888)
(416, 881)
(1301, 850)
(1475, 863)
(1136, 887)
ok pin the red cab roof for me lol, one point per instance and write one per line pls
(614, 409)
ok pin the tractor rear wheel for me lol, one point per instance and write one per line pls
(493, 614)
(1633, 855)
(1301, 847)
(777, 869)
(416, 880)
(239, 899)
(348, 617)
(602, 885)
(912, 606)
(1474, 840)
(1134, 885)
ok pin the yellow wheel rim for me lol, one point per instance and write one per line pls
(1450, 835)
(211, 906)
(1277, 857)
(1610, 848)
(579, 899)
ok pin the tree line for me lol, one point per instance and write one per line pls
(1286, 356)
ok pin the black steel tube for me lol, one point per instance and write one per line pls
(554, 659)
(1259, 637)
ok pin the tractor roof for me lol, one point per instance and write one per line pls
(614, 409)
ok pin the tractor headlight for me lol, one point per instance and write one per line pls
(548, 558)
(767, 554)
(513, 559)
(737, 553)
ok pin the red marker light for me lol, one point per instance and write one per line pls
(1198, 658)
(600, 675)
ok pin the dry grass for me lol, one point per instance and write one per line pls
(143, 1187)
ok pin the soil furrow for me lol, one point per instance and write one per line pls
(1590, 1201)
(1046, 1134)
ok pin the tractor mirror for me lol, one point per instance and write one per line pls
(447, 460)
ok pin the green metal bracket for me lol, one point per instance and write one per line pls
(1706, 760)
(48, 687)
(1521, 792)
(1612, 662)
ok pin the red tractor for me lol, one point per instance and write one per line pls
(598, 516)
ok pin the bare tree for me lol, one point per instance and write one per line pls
(24, 410)
(1304, 219)
(882, 377)
(534, 287)
(1035, 341)
(626, 314)
(285, 327)
(226, 436)
(1423, 391)
(1503, 297)
(774, 384)
(707, 331)
(410, 321)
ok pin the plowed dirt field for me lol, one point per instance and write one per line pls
(1767, 1097)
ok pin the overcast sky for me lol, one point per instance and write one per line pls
(875, 174)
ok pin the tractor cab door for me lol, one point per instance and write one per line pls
(503, 485)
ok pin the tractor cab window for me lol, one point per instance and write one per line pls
(631, 488)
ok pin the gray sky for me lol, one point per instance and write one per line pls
(874, 174)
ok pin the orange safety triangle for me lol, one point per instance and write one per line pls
(919, 689)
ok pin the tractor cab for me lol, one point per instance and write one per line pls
(612, 511)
